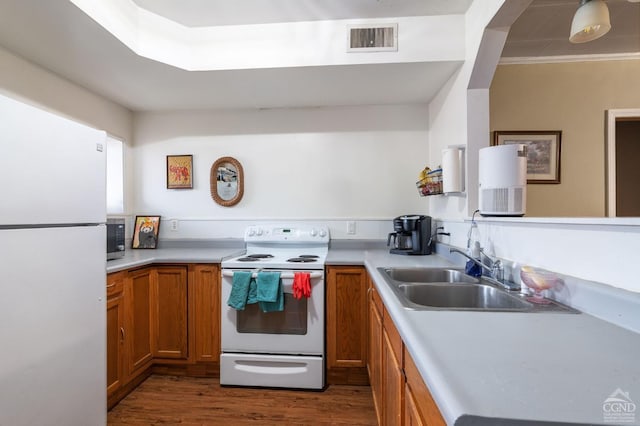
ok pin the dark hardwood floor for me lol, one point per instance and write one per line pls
(170, 400)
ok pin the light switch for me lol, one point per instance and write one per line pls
(351, 227)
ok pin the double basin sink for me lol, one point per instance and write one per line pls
(452, 289)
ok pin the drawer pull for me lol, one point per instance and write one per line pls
(111, 285)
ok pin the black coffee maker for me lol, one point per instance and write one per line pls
(411, 236)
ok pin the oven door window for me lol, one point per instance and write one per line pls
(292, 320)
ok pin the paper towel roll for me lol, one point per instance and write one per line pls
(452, 179)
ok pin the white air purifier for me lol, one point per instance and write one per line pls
(503, 180)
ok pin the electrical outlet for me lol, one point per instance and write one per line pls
(174, 224)
(351, 227)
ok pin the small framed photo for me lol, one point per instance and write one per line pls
(179, 171)
(543, 152)
(145, 232)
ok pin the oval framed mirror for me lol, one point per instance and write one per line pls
(226, 181)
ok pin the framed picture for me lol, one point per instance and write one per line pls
(179, 171)
(145, 232)
(543, 152)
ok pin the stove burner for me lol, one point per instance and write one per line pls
(248, 259)
(308, 256)
(301, 259)
(260, 256)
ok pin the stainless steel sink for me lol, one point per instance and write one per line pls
(451, 289)
(462, 296)
(429, 275)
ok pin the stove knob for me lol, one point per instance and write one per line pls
(323, 233)
(259, 232)
(313, 232)
(251, 232)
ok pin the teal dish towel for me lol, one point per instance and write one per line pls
(239, 289)
(270, 295)
(253, 292)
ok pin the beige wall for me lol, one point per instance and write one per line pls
(573, 98)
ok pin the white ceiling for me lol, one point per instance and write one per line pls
(194, 13)
(58, 36)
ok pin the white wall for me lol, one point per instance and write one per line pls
(603, 251)
(29, 83)
(328, 164)
(456, 109)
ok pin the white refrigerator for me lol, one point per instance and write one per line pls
(52, 269)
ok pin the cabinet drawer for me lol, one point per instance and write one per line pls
(115, 283)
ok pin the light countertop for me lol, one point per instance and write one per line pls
(485, 366)
(138, 258)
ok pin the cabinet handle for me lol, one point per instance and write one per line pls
(122, 333)
(111, 285)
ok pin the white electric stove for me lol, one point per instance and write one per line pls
(277, 349)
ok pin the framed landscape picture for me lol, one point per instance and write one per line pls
(179, 171)
(145, 232)
(543, 152)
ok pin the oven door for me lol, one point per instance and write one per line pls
(298, 329)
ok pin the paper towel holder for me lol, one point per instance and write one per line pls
(453, 176)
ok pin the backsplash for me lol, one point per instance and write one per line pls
(211, 228)
(611, 304)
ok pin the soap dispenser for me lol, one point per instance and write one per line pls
(473, 250)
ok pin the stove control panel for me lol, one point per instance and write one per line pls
(293, 234)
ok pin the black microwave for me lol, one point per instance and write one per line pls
(115, 238)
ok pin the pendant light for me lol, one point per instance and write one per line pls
(590, 22)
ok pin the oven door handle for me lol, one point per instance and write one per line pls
(284, 275)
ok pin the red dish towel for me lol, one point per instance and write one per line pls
(301, 285)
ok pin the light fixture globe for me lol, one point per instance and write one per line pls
(590, 22)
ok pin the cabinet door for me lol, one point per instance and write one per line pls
(426, 407)
(393, 379)
(138, 320)
(411, 413)
(204, 303)
(375, 354)
(169, 312)
(115, 332)
(346, 323)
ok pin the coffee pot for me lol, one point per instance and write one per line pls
(411, 236)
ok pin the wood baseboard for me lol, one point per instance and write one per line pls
(125, 390)
(348, 376)
(202, 369)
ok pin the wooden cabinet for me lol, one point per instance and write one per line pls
(400, 395)
(115, 332)
(374, 360)
(204, 312)
(393, 375)
(168, 295)
(138, 320)
(386, 363)
(411, 412)
(346, 319)
(163, 319)
(420, 407)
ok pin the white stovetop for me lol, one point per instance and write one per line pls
(283, 242)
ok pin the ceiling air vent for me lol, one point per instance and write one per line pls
(372, 38)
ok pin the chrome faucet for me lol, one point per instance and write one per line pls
(495, 269)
